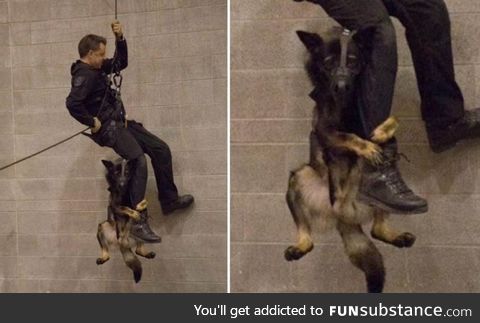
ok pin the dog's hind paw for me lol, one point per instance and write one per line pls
(405, 240)
(149, 255)
(101, 261)
(295, 253)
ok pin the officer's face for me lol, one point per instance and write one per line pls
(96, 57)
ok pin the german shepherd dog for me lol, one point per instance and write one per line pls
(326, 187)
(115, 231)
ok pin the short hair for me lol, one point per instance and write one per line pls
(90, 42)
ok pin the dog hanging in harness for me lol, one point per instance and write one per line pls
(326, 188)
(115, 231)
(95, 101)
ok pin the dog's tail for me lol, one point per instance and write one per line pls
(132, 262)
(364, 255)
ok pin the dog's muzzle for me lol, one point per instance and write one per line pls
(343, 75)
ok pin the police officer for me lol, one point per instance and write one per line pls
(427, 27)
(92, 102)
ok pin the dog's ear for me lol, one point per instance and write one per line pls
(313, 42)
(108, 164)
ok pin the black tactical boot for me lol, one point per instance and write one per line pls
(141, 230)
(182, 202)
(382, 186)
(442, 138)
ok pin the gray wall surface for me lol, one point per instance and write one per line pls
(50, 205)
(271, 115)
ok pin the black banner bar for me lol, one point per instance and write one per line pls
(241, 307)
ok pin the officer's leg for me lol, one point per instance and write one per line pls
(428, 32)
(427, 26)
(161, 157)
(127, 147)
(382, 185)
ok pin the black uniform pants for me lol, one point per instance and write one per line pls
(427, 25)
(132, 143)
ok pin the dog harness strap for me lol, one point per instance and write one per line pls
(345, 38)
(124, 166)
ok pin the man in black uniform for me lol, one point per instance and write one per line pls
(92, 102)
(427, 25)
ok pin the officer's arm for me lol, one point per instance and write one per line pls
(81, 86)
(121, 60)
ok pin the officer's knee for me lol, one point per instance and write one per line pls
(162, 153)
(385, 34)
(140, 164)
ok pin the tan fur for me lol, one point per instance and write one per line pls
(363, 148)
(385, 131)
(142, 205)
(124, 210)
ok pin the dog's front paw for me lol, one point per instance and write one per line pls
(385, 131)
(135, 215)
(372, 152)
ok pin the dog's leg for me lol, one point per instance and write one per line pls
(361, 147)
(364, 255)
(383, 232)
(140, 250)
(339, 173)
(123, 210)
(128, 256)
(300, 216)
(102, 240)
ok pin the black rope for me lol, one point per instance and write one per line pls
(114, 62)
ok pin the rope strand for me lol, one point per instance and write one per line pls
(43, 150)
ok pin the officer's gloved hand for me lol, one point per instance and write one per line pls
(117, 29)
(97, 125)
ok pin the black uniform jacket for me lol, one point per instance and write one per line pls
(89, 85)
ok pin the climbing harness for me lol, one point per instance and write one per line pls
(115, 81)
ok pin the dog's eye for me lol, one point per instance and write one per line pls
(352, 61)
(329, 62)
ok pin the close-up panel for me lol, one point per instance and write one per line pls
(354, 146)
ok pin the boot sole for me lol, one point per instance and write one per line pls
(378, 204)
(158, 240)
(168, 212)
(441, 149)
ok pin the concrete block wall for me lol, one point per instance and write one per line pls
(50, 205)
(271, 115)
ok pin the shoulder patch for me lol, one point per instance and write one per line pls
(78, 80)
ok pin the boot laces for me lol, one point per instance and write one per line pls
(393, 177)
